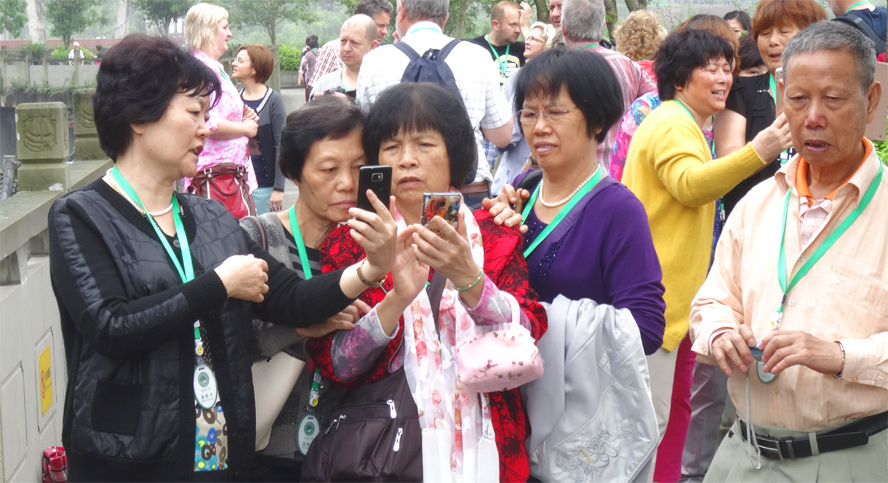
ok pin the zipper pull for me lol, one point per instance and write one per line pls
(397, 445)
(392, 411)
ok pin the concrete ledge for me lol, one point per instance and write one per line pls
(23, 216)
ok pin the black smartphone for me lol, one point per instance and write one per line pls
(378, 179)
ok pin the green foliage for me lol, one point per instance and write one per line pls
(70, 17)
(60, 52)
(290, 57)
(37, 50)
(269, 14)
(12, 16)
(162, 12)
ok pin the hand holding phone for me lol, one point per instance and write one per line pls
(446, 205)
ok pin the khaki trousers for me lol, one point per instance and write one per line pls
(861, 463)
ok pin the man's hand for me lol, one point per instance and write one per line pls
(731, 348)
(783, 349)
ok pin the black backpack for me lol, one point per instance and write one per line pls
(857, 22)
(430, 67)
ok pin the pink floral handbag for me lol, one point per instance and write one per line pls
(500, 357)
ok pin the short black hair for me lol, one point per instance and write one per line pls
(415, 107)
(590, 82)
(750, 56)
(323, 118)
(136, 81)
(681, 53)
(742, 17)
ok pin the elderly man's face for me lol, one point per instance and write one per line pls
(826, 108)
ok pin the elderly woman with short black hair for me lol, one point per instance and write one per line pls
(156, 290)
(420, 130)
(671, 169)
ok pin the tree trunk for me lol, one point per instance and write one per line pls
(610, 8)
(634, 5)
(461, 9)
(36, 22)
(542, 8)
(272, 34)
(122, 24)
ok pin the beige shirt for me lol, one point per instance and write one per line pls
(843, 297)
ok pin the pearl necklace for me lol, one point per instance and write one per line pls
(136, 205)
(565, 200)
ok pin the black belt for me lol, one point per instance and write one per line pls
(847, 436)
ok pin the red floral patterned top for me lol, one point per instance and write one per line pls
(505, 266)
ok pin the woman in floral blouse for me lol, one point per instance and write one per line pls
(419, 131)
(231, 123)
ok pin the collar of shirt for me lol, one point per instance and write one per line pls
(207, 59)
(422, 26)
(788, 176)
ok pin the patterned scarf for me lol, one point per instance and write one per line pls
(457, 431)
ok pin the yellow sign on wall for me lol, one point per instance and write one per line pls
(46, 380)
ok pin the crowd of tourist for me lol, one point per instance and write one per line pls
(660, 256)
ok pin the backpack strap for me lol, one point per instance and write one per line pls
(442, 54)
(857, 22)
(408, 50)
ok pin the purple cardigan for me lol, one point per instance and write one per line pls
(608, 256)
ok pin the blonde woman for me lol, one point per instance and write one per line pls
(231, 124)
(639, 37)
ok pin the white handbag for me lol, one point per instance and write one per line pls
(273, 381)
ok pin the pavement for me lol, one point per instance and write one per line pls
(293, 99)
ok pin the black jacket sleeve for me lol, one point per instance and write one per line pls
(91, 292)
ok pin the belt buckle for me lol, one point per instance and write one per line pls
(772, 450)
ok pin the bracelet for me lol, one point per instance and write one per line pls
(838, 375)
(366, 282)
(463, 289)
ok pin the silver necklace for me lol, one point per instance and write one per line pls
(565, 200)
(136, 205)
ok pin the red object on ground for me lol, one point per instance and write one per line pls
(55, 464)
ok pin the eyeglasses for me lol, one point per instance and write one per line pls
(551, 114)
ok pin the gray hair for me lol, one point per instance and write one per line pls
(434, 10)
(583, 19)
(372, 8)
(837, 37)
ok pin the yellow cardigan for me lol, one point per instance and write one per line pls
(670, 169)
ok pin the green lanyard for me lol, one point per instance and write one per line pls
(712, 147)
(314, 393)
(503, 65)
(186, 267)
(852, 7)
(593, 181)
(821, 250)
(222, 71)
(300, 244)
(773, 84)
(587, 46)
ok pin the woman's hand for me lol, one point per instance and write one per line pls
(344, 320)
(446, 250)
(773, 140)
(409, 275)
(250, 128)
(377, 233)
(276, 203)
(244, 277)
(506, 207)
(250, 114)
